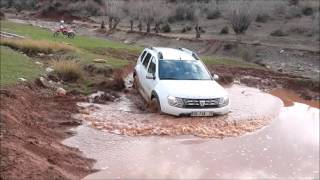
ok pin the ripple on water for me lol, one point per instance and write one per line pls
(251, 109)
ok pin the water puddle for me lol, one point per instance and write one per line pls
(248, 113)
(288, 148)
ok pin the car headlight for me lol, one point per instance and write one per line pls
(176, 102)
(224, 101)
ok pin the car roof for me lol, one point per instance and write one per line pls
(173, 54)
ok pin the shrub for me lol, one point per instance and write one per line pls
(294, 2)
(262, 18)
(224, 30)
(69, 71)
(294, 12)
(278, 32)
(215, 14)
(240, 17)
(299, 30)
(30, 46)
(166, 28)
(184, 12)
(246, 54)
(307, 11)
(186, 29)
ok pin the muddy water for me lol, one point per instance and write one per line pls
(288, 148)
(251, 109)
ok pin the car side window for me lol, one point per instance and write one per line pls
(146, 60)
(143, 55)
(152, 67)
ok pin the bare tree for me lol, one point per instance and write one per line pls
(133, 10)
(161, 14)
(148, 13)
(114, 12)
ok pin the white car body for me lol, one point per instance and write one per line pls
(179, 97)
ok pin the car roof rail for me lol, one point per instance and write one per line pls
(190, 52)
(160, 55)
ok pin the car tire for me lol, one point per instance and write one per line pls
(155, 106)
(135, 82)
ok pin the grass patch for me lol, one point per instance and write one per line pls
(15, 65)
(67, 70)
(30, 46)
(214, 60)
(84, 42)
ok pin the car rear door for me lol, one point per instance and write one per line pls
(143, 73)
(150, 83)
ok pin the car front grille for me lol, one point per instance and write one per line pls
(201, 103)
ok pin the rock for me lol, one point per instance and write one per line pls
(101, 97)
(41, 54)
(49, 69)
(39, 63)
(281, 51)
(50, 55)
(61, 92)
(93, 97)
(280, 70)
(99, 60)
(22, 79)
(257, 42)
(127, 41)
(70, 123)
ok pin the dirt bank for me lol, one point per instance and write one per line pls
(267, 80)
(34, 121)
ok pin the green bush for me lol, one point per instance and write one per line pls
(224, 30)
(262, 18)
(166, 28)
(186, 29)
(215, 14)
(307, 11)
(278, 32)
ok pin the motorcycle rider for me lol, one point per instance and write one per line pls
(62, 26)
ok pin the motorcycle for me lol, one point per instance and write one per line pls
(70, 33)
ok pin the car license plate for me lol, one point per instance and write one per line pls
(202, 113)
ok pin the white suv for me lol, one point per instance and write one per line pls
(176, 82)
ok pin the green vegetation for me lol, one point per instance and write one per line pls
(84, 42)
(15, 65)
(85, 45)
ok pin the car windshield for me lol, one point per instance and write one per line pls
(182, 70)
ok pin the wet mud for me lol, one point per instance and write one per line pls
(125, 116)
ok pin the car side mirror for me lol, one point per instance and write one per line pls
(150, 76)
(215, 77)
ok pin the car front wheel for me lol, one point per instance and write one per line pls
(155, 105)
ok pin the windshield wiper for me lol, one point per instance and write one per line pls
(169, 78)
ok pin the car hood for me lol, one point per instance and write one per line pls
(193, 89)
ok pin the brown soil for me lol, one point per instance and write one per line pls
(34, 121)
(267, 80)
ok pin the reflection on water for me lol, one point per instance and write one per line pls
(288, 148)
